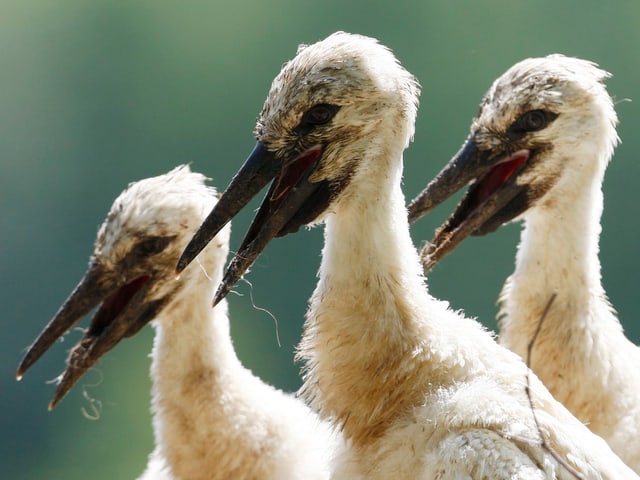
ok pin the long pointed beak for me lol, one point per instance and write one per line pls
(89, 292)
(273, 216)
(259, 168)
(456, 174)
(292, 201)
(494, 197)
(99, 339)
(124, 310)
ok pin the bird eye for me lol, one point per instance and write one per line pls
(320, 114)
(534, 120)
(152, 246)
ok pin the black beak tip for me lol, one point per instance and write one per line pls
(66, 381)
(186, 258)
(223, 289)
(57, 397)
(60, 393)
(197, 243)
(220, 294)
(182, 264)
(24, 366)
(20, 371)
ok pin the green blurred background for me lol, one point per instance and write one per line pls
(97, 93)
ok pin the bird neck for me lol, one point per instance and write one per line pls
(558, 255)
(199, 386)
(559, 243)
(192, 337)
(370, 331)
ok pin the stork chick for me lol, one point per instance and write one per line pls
(420, 391)
(213, 419)
(538, 151)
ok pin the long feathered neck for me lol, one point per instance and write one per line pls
(198, 387)
(193, 340)
(580, 353)
(371, 334)
(215, 420)
(558, 251)
(558, 255)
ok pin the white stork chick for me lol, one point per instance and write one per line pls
(538, 151)
(420, 391)
(213, 419)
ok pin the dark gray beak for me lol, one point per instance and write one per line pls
(257, 171)
(123, 311)
(292, 201)
(493, 198)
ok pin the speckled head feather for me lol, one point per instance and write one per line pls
(570, 87)
(130, 276)
(318, 131)
(154, 207)
(531, 145)
(350, 71)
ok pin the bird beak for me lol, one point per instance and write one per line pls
(292, 201)
(123, 311)
(257, 171)
(494, 197)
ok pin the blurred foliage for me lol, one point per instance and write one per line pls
(98, 93)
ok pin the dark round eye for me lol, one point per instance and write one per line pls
(320, 114)
(534, 120)
(152, 246)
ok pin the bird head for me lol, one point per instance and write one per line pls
(131, 276)
(539, 131)
(320, 123)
